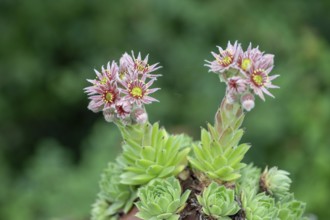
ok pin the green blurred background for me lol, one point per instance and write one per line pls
(52, 149)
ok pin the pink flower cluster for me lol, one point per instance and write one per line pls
(245, 72)
(121, 91)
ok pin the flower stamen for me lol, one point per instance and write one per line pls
(136, 92)
(108, 97)
(246, 64)
(141, 66)
(259, 77)
(226, 60)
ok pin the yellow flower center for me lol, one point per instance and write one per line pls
(141, 66)
(246, 64)
(109, 97)
(136, 92)
(226, 60)
(103, 81)
(122, 75)
(258, 80)
(108, 72)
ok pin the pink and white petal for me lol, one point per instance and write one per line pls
(267, 92)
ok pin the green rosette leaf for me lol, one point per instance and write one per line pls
(258, 206)
(249, 181)
(275, 182)
(161, 199)
(218, 202)
(217, 161)
(219, 153)
(100, 211)
(290, 208)
(114, 196)
(151, 153)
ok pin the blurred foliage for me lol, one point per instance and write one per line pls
(52, 149)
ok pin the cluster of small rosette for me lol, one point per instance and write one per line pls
(120, 91)
(246, 73)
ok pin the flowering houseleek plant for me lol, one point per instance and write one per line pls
(160, 175)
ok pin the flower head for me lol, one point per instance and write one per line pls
(225, 59)
(139, 65)
(259, 81)
(137, 91)
(246, 59)
(119, 89)
(244, 72)
(236, 84)
(103, 94)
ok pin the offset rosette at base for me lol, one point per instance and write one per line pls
(99, 211)
(249, 179)
(114, 197)
(275, 182)
(161, 199)
(218, 202)
(290, 208)
(258, 206)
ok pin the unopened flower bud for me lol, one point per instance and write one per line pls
(275, 182)
(140, 116)
(109, 114)
(247, 101)
(231, 97)
(94, 107)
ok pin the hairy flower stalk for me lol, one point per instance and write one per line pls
(155, 167)
(161, 199)
(219, 153)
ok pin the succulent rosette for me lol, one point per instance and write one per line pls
(113, 197)
(258, 206)
(99, 211)
(219, 153)
(218, 202)
(290, 208)
(275, 182)
(161, 199)
(217, 161)
(149, 152)
(250, 176)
